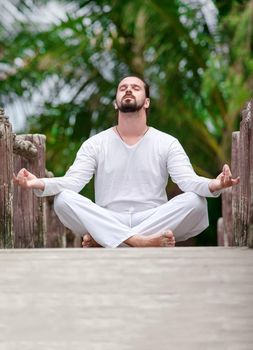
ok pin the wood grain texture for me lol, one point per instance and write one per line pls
(245, 191)
(220, 233)
(157, 298)
(240, 206)
(6, 186)
(23, 147)
(235, 168)
(55, 231)
(250, 231)
(29, 210)
(227, 215)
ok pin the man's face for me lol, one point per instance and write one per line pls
(130, 95)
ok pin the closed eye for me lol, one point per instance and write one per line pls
(123, 87)
(133, 86)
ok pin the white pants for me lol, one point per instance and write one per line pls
(186, 215)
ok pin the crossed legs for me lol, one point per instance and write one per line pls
(180, 218)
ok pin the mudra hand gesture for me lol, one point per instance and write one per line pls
(25, 179)
(223, 180)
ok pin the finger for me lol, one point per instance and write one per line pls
(226, 178)
(15, 179)
(21, 172)
(20, 175)
(235, 181)
(228, 171)
(222, 179)
(224, 168)
(26, 173)
(23, 182)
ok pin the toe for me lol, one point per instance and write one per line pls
(86, 238)
(165, 242)
(169, 235)
(168, 239)
(87, 241)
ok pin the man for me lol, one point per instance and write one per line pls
(131, 163)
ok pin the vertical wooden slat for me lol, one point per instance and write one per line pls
(55, 231)
(220, 233)
(29, 210)
(6, 185)
(235, 169)
(227, 215)
(244, 161)
(250, 230)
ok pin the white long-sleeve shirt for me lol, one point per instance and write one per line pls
(130, 178)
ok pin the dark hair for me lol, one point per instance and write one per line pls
(146, 86)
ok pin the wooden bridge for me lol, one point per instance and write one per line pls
(189, 298)
(185, 298)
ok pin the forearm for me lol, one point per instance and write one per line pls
(198, 184)
(55, 185)
(37, 184)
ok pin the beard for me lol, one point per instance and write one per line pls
(129, 105)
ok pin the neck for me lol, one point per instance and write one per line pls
(132, 124)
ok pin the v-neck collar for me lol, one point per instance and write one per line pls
(136, 143)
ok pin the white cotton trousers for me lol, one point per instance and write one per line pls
(186, 215)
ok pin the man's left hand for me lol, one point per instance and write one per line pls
(223, 180)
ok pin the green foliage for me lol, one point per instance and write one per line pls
(200, 73)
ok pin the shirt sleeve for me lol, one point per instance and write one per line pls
(182, 173)
(77, 176)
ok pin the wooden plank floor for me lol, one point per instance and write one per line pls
(108, 299)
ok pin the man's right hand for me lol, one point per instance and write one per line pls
(25, 179)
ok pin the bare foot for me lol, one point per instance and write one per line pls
(89, 242)
(165, 239)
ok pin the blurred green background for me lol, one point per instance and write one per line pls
(60, 62)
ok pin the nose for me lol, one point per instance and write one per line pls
(129, 90)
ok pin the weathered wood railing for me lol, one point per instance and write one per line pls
(235, 228)
(25, 220)
(28, 221)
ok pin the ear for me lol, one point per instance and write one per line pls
(115, 104)
(147, 103)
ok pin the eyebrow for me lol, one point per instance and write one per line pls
(132, 85)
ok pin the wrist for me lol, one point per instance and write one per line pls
(41, 184)
(213, 186)
(37, 184)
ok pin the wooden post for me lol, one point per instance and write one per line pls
(6, 185)
(29, 210)
(244, 161)
(250, 231)
(55, 231)
(220, 233)
(58, 236)
(227, 216)
(235, 168)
